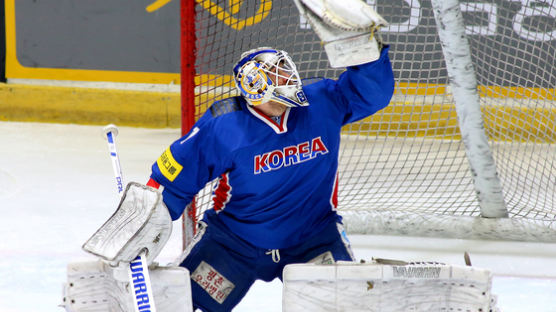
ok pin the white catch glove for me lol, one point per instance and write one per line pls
(346, 28)
(141, 221)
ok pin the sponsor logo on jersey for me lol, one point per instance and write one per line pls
(212, 281)
(168, 166)
(289, 155)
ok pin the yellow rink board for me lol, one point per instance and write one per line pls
(440, 122)
(19, 102)
(89, 106)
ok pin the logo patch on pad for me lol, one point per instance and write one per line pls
(216, 285)
(168, 166)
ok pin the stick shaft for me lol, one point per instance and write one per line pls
(138, 270)
(115, 162)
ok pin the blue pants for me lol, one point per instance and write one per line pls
(223, 266)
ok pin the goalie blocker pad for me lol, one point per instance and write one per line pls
(347, 29)
(379, 287)
(141, 222)
(95, 286)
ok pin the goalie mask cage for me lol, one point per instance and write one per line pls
(464, 150)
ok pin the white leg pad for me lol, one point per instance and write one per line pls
(94, 286)
(379, 287)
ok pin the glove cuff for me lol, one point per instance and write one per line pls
(352, 51)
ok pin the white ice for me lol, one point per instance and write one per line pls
(57, 188)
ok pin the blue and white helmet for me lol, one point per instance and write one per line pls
(266, 74)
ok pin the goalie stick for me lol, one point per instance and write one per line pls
(143, 299)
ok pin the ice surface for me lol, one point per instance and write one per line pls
(57, 188)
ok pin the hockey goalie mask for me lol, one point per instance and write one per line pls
(266, 74)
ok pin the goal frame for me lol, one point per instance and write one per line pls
(188, 55)
(493, 222)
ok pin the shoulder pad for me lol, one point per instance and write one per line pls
(225, 106)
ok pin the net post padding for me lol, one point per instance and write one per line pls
(457, 54)
(447, 226)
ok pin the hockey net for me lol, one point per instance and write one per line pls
(404, 170)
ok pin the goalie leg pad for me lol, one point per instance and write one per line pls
(377, 287)
(141, 221)
(95, 286)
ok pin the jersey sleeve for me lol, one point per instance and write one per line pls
(188, 164)
(363, 90)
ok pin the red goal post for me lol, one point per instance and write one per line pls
(187, 55)
(187, 80)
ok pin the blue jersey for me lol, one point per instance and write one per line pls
(277, 179)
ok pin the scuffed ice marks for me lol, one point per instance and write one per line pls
(8, 185)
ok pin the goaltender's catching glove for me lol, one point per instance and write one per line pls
(346, 28)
